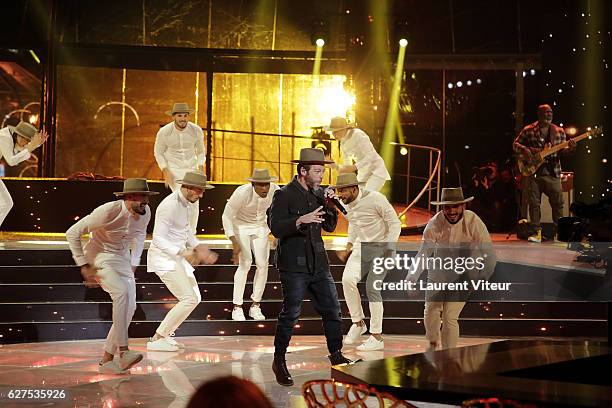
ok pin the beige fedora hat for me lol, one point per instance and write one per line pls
(195, 179)
(337, 123)
(261, 176)
(347, 180)
(25, 130)
(452, 196)
(179, 107)
(135, 186)
(311, 155)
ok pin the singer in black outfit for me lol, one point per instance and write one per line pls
(298, 212)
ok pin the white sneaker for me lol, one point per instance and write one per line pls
(110, 367)
(371, 344)
(128, 358)
(238, 314)
(354, 333)
(161, 345)
(174, 342)
(255, 313)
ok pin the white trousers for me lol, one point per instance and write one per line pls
(117, 279)
(260, 246)
(194, 209)
(374, 183)
(6, 202)
(351, 276)
(183, 285)
(447, 315)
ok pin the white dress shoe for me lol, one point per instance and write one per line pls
(354, 333)
(174, 342)
(110, 367)
(161, 345)
(128, 358)
(238, 314)
(255, 313)
(371, 344)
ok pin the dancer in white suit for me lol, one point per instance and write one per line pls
(452, 230)
(179, 148)
(355, 145)
(373, 222)
(117, 231)
(16, 144)
(173, 253)
(246, 224)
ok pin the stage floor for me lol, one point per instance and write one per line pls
(165, 379)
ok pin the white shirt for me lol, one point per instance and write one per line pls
(357, 145)
(245, 212)
(7, 149)
(171, 234)
(372, 219)
(112, 229)
(440, 235)
(180, 150)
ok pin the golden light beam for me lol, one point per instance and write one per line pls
(391, 123)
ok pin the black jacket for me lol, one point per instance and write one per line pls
(299, 250)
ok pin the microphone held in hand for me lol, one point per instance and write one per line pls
(338, 204)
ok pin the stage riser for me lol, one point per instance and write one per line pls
(29, 279)
(47, 257)
(221, 310)
(223, 292)
(32, 332)
(71, 274)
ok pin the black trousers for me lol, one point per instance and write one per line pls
(321, 290)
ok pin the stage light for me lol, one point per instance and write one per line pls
(532, 72)
(571, 130)
(468, 83)
(34, 56)
(459, 84)
(334, 100)
(450, 85)
(319, 32)
(479, 81)
(33, 119)
(403, 151)
(320, 42)
(401, 32)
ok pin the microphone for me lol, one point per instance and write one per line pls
(338, 205)
(335, 201)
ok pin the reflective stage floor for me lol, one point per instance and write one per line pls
(165, 379)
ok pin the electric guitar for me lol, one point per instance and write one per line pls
(529, 163)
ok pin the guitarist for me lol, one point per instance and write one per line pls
(547, 179)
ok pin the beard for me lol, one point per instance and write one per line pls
(140, 209)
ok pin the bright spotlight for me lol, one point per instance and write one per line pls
(468, 83)
(532, 72)
(459, 84)
(450, 85)
(571, 130)
(320, 42)
(33, 119)
(479, 81)
(403, 151)
(403, 42)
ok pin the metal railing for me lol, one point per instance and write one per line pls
(218, 150)
(432, 179)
